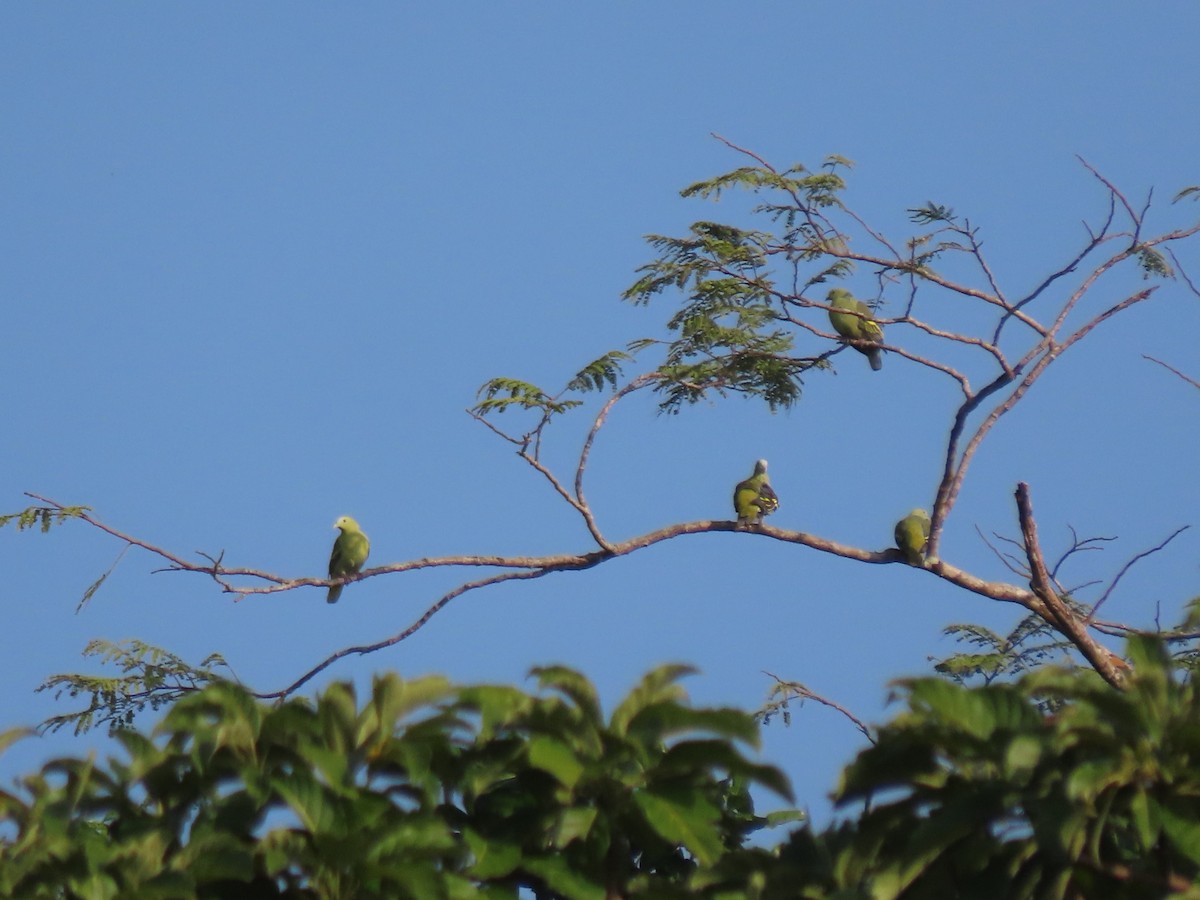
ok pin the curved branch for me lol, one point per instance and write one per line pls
(576, 503)
(795, 687)
(1192, 381)
(1128, 565)
(536, 566)
(582, 505)
(579, 562)
(363, 649)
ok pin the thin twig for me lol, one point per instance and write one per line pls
(1133, 216)
(1192, 381)
(1095, 240)
(1006, 559)
(1182, 272)
(364, 649)
(806, 694)
(1077, 546)
(1125, 568)
(637, 383)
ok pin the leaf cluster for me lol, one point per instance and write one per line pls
(427, 790)
(43, 516)
(420, 790)
(729, 332)
(150, 678)
(499, 395)
(987, 796)
(1031, 644)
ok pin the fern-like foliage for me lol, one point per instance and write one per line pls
(1154, 263)
(932, 213)
(599, 373)
(501, 394)
(996, 657)
(729, 334)
(149, 677)
(749, 312)
(806, 189)
(43, 516)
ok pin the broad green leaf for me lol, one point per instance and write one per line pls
(687, 757)
(564, 880)
(10, 736)
(393, 698)
(1021, 756)
(683, 817)
(407, 838)
(657, 686)
(1088, 780)
(1181, 823)
(572, 684)
(337, 710)
(785, 817)
(572, 824)
(930, 838)
(665, 719)
(498, 706)
(307, 799)
(1146, 819)
(333, 765)
(978, 712)
(213, 855)
(493, 858)
(557, 758)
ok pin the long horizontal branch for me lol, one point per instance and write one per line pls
(1044, 602)
(576, 562)
(536, 566)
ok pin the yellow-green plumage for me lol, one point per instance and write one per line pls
(856, 327)
(350, 551)
(912, 534)
(754, 497)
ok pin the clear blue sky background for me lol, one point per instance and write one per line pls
(259, 257)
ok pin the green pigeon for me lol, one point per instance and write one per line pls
(856, 328)
(912, 534)
(350, 551)
(754, 497)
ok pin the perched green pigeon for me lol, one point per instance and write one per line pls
(349, 553)
(912, 534)
(754, 497)
(856, 328)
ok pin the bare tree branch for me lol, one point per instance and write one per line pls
(1077, 546)
(1192, 381)
(795, 687)
(1006, 559)
(1051, 607)
(408, 632)
(1125, 568)
(637, 383)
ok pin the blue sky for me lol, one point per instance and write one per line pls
(258, 259)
